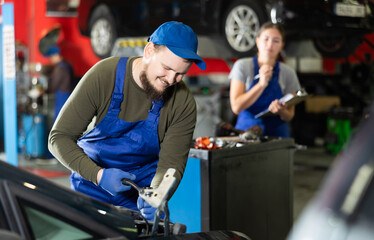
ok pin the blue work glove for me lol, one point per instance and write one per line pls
(147, 210)
(111, 181)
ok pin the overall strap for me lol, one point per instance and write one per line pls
(117, 95)
(154, 112)
(256, 67)
(64, 64)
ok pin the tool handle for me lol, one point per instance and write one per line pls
(128, 182)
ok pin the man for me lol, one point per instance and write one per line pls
(61, 78)
(143, 116)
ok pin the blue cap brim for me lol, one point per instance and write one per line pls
(184, 53)
(52, 51)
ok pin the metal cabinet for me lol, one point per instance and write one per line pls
(247, 189)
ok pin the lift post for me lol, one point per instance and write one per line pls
(8, 81)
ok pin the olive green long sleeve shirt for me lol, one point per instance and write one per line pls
(89, 103)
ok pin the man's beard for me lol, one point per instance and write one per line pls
(151, 91)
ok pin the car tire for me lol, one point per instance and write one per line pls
(103, 31)
(240, 24)
(336, 47)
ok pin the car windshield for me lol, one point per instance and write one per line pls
(45, 226)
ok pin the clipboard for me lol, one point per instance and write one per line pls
(289, 99)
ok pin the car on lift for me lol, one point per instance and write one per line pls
(337, 27)
(32, 207)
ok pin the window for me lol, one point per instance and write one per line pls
(44, 226)
(63, 215)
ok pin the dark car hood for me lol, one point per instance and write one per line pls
(116, 218)
(126, 222)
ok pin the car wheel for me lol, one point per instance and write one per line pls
(241, 22)
(102, 31)
(336, 47)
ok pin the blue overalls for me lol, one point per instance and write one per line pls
(61, 98)
(271, 126)
(115, 143)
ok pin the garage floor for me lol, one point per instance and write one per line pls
(310, 168)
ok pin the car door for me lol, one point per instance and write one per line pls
(34, 216)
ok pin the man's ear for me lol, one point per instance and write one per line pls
(149, 50)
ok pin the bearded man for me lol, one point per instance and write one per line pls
(130, 118)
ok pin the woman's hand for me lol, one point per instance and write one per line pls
(276, 107)
(281, 109)
(265, 71)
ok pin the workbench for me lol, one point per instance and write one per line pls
(247, 189)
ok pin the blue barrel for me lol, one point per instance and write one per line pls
(34, 135)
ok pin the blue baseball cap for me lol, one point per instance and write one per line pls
(52, 51)
(180, 39)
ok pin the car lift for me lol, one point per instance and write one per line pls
(8, 110)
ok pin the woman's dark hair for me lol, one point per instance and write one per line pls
(269, 25)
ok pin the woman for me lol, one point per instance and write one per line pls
(258, 83)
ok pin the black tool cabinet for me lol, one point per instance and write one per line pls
(247, 189)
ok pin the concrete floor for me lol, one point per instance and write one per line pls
(310, 167)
